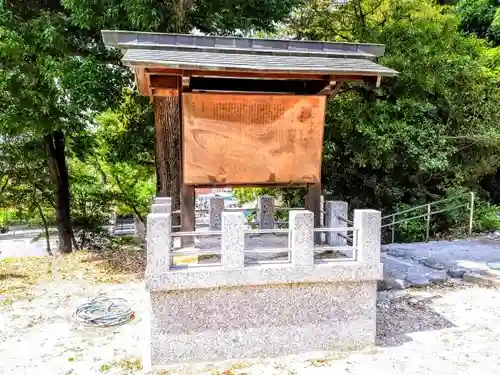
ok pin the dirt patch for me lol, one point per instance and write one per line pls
(117, 265)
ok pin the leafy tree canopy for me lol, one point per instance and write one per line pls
(208, 16)
(432, 128)
(480, 17)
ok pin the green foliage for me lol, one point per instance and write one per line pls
(487, 217)
(427, 134)
(480, 17)
(133, 187)
(431, 128)
(56, 75)
(25, 189)
(92, 202)
(126, 144)
(291, 197)
(411, 230)
(247, 195)
(53, 77)
(127, 133)
(208, 16)
(7, 217)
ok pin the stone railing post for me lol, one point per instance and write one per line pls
(233, 240)
(215, 208)
(301, 224)
(333, 209)
(265, 206)
(367, 235)
(162, 200)
(159, 237)
(112, 222)
(322, 217)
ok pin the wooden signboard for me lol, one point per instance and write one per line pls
(232, 139)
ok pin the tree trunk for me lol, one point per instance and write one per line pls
(45, 227)
(168, 151)
(56, 159)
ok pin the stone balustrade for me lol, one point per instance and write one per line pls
(236, 310)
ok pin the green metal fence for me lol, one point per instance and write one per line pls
(391, 221)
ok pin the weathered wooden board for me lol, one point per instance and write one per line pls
(232, 139)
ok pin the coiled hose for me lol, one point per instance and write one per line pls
(104, 312)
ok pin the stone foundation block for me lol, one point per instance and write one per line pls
(260, 321)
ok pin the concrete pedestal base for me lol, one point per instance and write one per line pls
(196, 325)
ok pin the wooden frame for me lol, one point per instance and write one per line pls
(163, 77)
(223, 131)
(163, 81)
(154, 81)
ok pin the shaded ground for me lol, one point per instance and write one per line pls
(19, 275)
(452, 329)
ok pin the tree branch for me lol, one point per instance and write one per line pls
(47, 197)
(4, 185)
(127, 200)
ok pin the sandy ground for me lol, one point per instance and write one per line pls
(446, 330)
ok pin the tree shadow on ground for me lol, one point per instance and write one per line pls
(397, 319)
(5, 276)
(125, 257)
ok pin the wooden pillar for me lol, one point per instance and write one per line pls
(168, 150)
(187, 191)
(313, 204)
(187, 212)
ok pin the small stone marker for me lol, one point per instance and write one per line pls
(417, 281)
(433, 263)
(437, 277)
(392, 283)
(398, 253)
(456, 272)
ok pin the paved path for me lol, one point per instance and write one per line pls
(420, 260)
(22, 247)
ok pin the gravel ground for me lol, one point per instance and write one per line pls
(446, 330)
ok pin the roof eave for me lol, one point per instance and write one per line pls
(133, 39)
(386, 72)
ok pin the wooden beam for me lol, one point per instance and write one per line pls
(339, 76)
(162, 85)
(252, 185)
(163, 81)
(335, 90)
(164, 71)
(164, 92)
(373, 82)
(141, 81)
(240, 74)
(148, 81)
(313, 204)
(329, 87)
(167, 155)
(221, 84)
(187, 191)
(187, 213)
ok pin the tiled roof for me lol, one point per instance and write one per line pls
(253, 62)
(247, 54)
